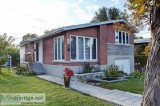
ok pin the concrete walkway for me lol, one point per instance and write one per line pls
(117, 97)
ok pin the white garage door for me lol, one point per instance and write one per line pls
(124, 65)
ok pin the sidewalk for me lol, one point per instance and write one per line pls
(113, 96)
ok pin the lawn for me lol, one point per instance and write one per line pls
(56, 95)
(131, 85)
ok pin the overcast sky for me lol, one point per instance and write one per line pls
(19, 17)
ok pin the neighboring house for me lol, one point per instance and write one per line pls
(140, 44)
(75, 46)
(8, 63)
(140, 56)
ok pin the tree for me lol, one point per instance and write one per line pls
(29, 36)
(14, 53)
(113, 13)
(47, 31)
(105, 14)
(148, 12)
(148, 48)
(6, 42)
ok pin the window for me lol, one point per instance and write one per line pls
(59, 48)
(87, 48)
(117, 36)
(94, 49)
(83, 48)
(73, 48)
(121, 37)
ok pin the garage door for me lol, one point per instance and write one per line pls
(124, 65)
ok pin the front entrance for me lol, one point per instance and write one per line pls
(124, 65)
(37, 51)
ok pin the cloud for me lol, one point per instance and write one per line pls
(20, 17)
(115, 1)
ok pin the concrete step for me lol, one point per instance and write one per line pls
(37, 68)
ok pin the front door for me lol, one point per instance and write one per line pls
(37, 52)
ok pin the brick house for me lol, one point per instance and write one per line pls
(75, 46)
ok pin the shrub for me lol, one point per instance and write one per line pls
(24, 72)
(113, 71)
(87, 68)
(142, 59)
(137, 74)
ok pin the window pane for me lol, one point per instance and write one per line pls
(120, 38)
(116, 36)
(124, 38)
(94, 49)
(80, 48)
(62, 48)
(55, 48)
(127, 38)
(73, 47)
(87, 48)
(58, 48)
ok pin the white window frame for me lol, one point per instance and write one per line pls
(61, 37)
(117, 32)
(77, 51)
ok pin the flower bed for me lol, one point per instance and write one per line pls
(86, 76)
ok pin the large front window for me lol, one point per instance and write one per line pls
(59, 48)
(83, 48)
(121, 37)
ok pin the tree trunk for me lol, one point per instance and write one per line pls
(151, 95)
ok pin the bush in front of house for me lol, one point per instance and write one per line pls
(142, 59)
(137, 74)
(113, 71)
(89, 68)
(24, 72)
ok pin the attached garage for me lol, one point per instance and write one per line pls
(124, 65)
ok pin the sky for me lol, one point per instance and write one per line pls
(19, 17)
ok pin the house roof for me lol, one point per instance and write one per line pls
(140, 41)
(72, 27)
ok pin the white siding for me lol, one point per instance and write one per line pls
(22, 52)
(40, 44)
(41, 51)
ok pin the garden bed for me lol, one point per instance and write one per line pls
(116, 79)
(86, 76)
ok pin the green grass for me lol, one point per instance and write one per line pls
(131, 85)
(56, 95)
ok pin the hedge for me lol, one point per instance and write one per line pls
(142, 59)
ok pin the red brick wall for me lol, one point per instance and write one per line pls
(29, 48)
(90, 32)
(131, 39)
(104, 33)
(110, 33)
(102, 45)
(48, 50)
